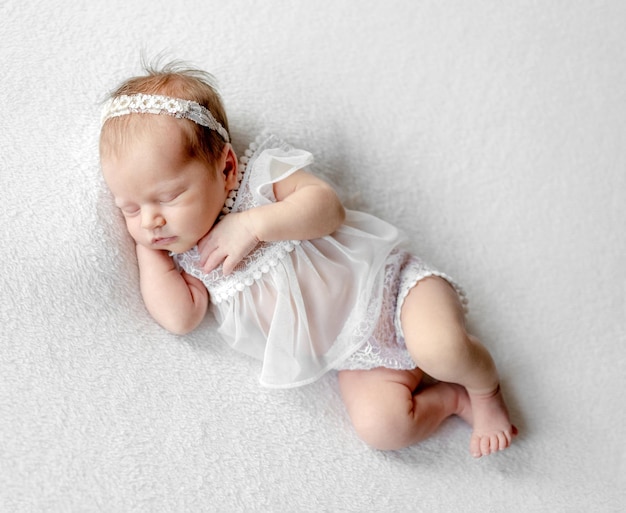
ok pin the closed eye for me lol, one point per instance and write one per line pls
(169, 198)
(129, 211)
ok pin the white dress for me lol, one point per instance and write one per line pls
(306, 307)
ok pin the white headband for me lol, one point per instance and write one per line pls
(157, 104)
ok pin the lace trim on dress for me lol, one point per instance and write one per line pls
(259, 262)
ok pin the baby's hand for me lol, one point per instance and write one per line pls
(228, 242)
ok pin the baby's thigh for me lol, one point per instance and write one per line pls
(377, 399)
(432, 314)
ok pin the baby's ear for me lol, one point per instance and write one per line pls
(230, 166)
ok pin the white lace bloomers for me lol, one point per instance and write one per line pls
(306, 307)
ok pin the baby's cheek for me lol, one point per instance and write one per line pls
(133, 230)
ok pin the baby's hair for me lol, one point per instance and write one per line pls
(178, 80)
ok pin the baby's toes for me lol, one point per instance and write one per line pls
(504, 440)
(487, 444)
(475, 450)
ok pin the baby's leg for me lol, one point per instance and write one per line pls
(387, 415)
(433, 322)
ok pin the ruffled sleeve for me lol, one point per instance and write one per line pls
(273, 161)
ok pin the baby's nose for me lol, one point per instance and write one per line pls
(151, 219)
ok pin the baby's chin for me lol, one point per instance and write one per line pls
(171, 244)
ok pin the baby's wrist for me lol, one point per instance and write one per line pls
(251, 223)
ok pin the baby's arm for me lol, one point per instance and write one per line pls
(176, 300)
(306, 208)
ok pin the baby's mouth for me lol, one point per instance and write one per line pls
(163, 241)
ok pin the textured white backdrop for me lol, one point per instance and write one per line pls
(492, 132)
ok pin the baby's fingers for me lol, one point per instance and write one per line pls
(203, 249)
(228, 266)
(212, 260)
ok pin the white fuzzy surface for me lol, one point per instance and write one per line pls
(492, 132)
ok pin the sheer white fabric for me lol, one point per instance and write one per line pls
(306, 307)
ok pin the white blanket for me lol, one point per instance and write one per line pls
(493, 133)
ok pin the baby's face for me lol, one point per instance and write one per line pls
(169, 200)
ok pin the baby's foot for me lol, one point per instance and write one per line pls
(493, 430)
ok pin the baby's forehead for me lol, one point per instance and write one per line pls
(145, 170)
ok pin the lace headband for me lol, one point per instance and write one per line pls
(156, 104)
